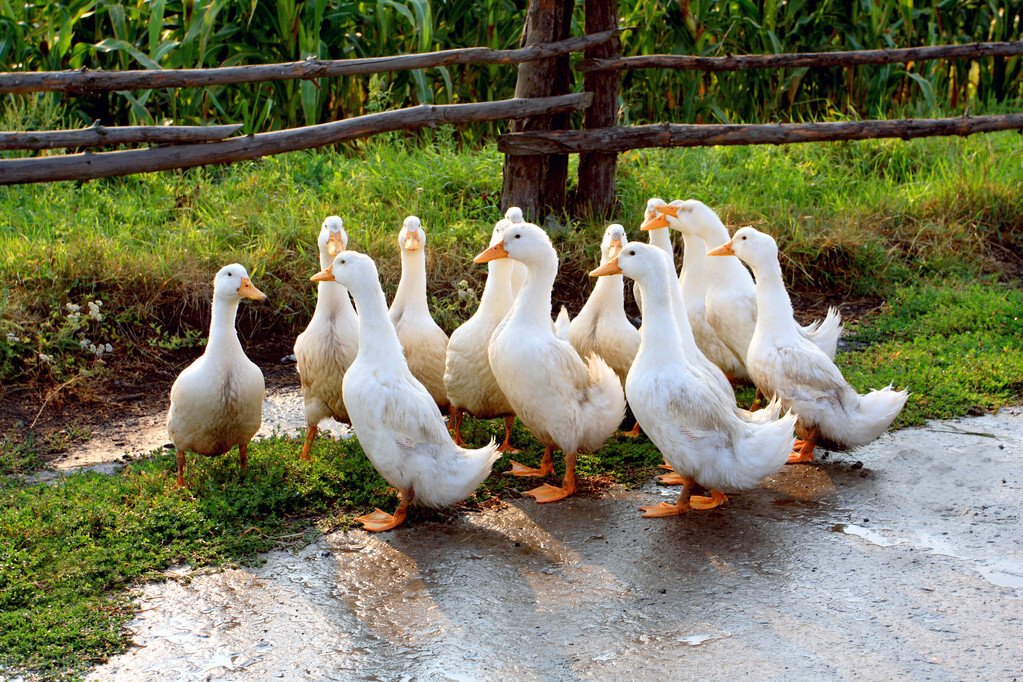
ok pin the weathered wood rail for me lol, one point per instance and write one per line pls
(88, 81)
(100, 165)
(98, 135)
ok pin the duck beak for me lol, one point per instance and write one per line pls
(614, 249)
(608, 268)
(324, 275)
(493, 253)
(412, 241)
(335, 244)
(653, 221)
(723, 250)
(249, 291)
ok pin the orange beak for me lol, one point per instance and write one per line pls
(335, 244)
(412, 241)
(653, 220)
(249, 291)
(324, 275)
(608, 268)
(493, 253)
(614, 249)
(723, 250)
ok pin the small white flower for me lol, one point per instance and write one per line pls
(108, 348)
(46, 358)
(73, 308)
(11, 338)
(85, 343)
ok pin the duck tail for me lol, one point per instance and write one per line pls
(604, 406)
(824, 333)
(764, 450)
(562, 324)
(874, 413)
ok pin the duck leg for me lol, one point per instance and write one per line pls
(506, 446)
(803, 452)
(180, 456)
(243, 455)
(546, 466)
(455, 426)
(380, 520)
(310, 436)
(550, 493)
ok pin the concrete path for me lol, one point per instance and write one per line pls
(903, 560)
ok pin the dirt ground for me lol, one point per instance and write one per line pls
(899, 561)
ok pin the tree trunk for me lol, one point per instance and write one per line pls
(536, 183)
(595, 196)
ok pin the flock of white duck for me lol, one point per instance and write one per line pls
(391, 372)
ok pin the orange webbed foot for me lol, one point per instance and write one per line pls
(716, 499)
(798, 455)
(511, 450)
(522, 470)
(671, 479)
(380, 520)
(548, 493)
(632, 433)
(663, 509)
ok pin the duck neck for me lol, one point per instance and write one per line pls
(714, 233)
(223, 335)
(661, 238)
(376, 333)
(694, 269)
(533, 304)
(332, 299)
(659, 332)
(497, 292)
(411, 293)
(774, 309)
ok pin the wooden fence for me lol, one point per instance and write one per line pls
(538, 141)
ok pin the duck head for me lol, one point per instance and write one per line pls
(333, 239)
(613, 242)
(350, 269)
(514, 215)
(233, 283)
(652, 217)
(411, 237)
(524, 242)
(750, 245)
(637, 261)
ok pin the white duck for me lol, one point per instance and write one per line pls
(693, 422)
(395, 418)
(217, 401)
(470, 383)
(694, 291)
(424, 342)
(659, 237)
(601, 326)
(783, 363)
(565, 403)
(328, 345)
(731, 294)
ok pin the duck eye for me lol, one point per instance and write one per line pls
(518, 236)
(743, 237)
(632, 252)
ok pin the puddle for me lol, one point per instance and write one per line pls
(1000, 572)
(873, 537)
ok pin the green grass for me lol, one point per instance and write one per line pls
(931, 227)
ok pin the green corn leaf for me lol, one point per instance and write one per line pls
(114, 45)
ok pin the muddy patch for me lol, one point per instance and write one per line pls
(899, 560)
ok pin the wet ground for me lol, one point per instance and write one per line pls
(900, 561)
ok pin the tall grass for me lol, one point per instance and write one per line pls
(170, 34)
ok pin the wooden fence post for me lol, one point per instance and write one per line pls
(535, 183)
(595, 195)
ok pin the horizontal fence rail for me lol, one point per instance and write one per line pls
(85, 81)
(88, 166)
(98, 136)
(778, 61)
(705, 135)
